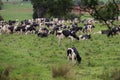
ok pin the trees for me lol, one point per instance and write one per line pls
(0, 9)
(1, 4)
(106, 13)
(40, 7)
(55, 8)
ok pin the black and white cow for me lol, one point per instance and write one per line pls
(67, 33)
(73, 55)
(20, 29)
(43, 32)
(113, 31)
(88, 28)
(110, 32)
(84, 37)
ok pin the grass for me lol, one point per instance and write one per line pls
(30, 57)
(33, 57)
(17, 11)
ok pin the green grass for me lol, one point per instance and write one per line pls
(33, 57)
(17, 11)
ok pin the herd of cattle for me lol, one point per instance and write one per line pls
(43, 27)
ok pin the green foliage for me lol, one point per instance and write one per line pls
(90, 3)
(1, 18)
(1, 3)
(40, 7)
(107, 12)
(55, 8)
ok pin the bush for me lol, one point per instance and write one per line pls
(60, 71)
(35, 15)
(1, 4)
(115, 74)
(1, 18)
(63, 71)
(4, 74)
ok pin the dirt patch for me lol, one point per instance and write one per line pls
(24, 10)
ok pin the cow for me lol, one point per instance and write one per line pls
(66, 33)
(110, 32)
(113, 31)
(20, 29)
(43, 32)
(30, 29)
(73, 55)
(88, 28)
(84, 37)
(69, 33)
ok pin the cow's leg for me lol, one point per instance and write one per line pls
(60, 37)
(73, 58)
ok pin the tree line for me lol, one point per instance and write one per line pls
(106, 13)
(55, 8)
(1, 3)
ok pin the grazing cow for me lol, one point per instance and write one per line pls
(73, 55)
(104, 31)
(69, 33)
(84, 37)
(66, 33)
(110, 32)
(114, 31)
(30, 29)
(20, 29)
(43, 32)
(76, 29)
(88, 28)
(11, 28)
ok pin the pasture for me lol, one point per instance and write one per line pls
(17, 10)
(29, 57)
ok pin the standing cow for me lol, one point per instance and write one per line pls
(73, 55)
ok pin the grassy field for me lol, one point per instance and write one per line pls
(32, 58)
(29, 57)
(18, 10)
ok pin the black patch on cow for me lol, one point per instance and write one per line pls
(77, 55)
(69, 51)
